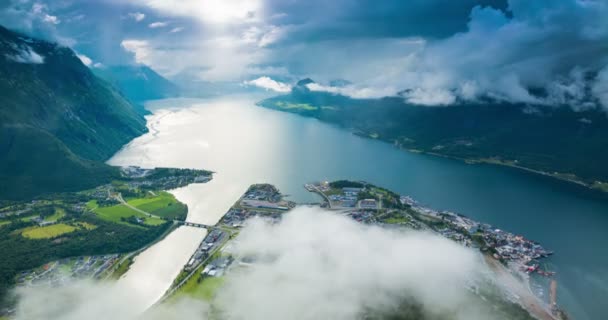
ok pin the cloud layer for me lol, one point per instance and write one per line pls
(312, 265)
(319, 265)
(435, 52)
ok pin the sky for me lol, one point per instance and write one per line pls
(431, 52)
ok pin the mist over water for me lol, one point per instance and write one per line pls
(246, 144)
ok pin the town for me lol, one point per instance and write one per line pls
(365, 203)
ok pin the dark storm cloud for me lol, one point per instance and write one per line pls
(340, 19)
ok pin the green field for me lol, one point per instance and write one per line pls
(4, 222)
(117, 212)
(59, 213)
(47, 231)
(92, 205)
(199, 287)
(122, 269)
(301, 106)
(162, 204)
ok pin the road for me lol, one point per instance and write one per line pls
(315, 189)
(171, 291)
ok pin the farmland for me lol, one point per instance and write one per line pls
(47, 232)
(124, 215)
(162, 204)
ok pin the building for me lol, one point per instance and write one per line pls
(368, 204)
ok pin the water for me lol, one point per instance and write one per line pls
(246, 144)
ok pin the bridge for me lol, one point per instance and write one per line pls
(194, 224)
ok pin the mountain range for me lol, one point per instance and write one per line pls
(556, 141)
(138, 82)
(58, 121)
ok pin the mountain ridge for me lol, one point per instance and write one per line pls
(556, 141)
(59, 121)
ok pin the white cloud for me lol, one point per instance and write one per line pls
(273, 35)
(503, 57)
(41, 10)
(96, 301)
(355, 91)
(158, 24)
(208, 11)
(263, 36)
(51, 19)
(312, 265)
(25, 54)
(600, 88)
(320, 265)
(140, 48)
(432, 97)
(177, 29)
(137, 16)
(85, 60)
(269, 84)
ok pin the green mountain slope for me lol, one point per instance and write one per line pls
(554, 140)
(57, 119)
(138, 83)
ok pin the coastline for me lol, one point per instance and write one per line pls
(596, 186)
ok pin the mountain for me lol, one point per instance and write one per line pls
(556, 141)
(138, 83)
(58, 121)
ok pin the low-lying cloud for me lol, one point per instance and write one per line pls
(312, 265)
(269, 84)
(25, 54)
(319, 265)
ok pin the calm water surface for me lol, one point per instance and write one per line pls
(246, 144)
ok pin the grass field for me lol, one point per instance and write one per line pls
(92, 205)
(47, 232)
(302, 106)
(162, 204)
(59, 213)
(4, 222)
(199, 287)
(115, 213)
(122, 269)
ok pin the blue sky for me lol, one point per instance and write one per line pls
(438, 51)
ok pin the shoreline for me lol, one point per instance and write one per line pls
(597, 186)
(601, 187)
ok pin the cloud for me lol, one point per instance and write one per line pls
(314, 264)
(140, 49)
(158, 24)
(548, 46)
(88, 61)
(25, 54)
(320, 265)
(263, 36)
(137, 16)
(355, 91)
(600, 87)
(85, 60)
(96, 301)
(208, 11)
(269, 84)
(176, 30)
(433, 97)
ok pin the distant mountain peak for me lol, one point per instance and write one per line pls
(304, 82)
